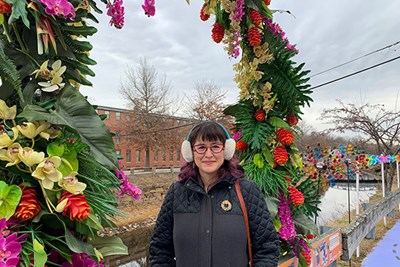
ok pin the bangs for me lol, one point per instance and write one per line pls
(207, 131)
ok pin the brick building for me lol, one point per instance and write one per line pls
(117, 122)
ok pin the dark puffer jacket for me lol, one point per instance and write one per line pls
(199, 229)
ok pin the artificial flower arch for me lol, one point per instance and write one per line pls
(57, 157)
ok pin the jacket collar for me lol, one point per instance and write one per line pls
(196, 185)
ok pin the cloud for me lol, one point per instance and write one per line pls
(327, 33)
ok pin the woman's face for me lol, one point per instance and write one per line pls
(208, 156)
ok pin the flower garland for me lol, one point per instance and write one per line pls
(59, 176)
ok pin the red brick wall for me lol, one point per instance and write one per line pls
(121, 146)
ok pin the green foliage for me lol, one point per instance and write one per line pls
(9, 75)
(304, 225)
(288, 81)
(101, 187)
(309, 188)
(9, 196)
(75, 112)
(270, 181)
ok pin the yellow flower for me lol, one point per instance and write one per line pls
(11, 154)
(47, 172)
(43, 71)
(30, 157)
(6, 141)
(7, 113)
(50, 133)
(31, 130)
(71, 184)
(54, 79)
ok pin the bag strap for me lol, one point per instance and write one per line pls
(246, 220)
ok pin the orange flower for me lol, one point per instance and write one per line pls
(280, 155)
(29, 204)
(241, 145)
(5, 7)
(285, 136)
(76, 207)
(296, 196)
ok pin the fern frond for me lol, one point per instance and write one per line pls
(9, 72)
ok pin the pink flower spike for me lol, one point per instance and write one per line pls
(126, 186)
(60, 8)
(116, 12)
(149, 7)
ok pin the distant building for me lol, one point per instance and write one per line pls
(133, 157)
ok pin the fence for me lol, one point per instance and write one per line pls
(357, 230)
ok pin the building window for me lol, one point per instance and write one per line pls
(171, 156)
(117, 116)
(118, 152)
(137, 156)
(107, 114)
(155, 156)
(128, 155)
(178, 155)
(163, 155)
(117, 140)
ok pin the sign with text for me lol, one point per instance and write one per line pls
(326, 250)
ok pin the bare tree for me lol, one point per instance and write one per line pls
(378, 125)
(207, 103)
(147, 95)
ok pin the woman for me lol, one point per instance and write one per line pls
(201, 221)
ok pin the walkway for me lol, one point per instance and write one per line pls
(387, 252)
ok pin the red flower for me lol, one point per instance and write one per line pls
(267, 2)
(204, 16)
(292, 119)
(217, 32)
(5, 7)
(254, 36)
(285, 136)
(255, 17)
(296, 197)
(260, 115)
(307, 257)
(77, 207)
(29, 204)
(310, 236)
(241, 145)
(280, 155)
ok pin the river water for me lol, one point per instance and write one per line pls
(334, 204)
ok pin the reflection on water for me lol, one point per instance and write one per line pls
(334, 204)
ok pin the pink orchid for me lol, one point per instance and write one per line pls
(60, 8)
(126, 186)
(149, 7)
(116, 12)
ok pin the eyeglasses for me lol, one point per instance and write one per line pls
(201, 149)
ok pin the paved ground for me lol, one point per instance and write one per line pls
(387, 252)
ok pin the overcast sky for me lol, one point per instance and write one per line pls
(327, 33)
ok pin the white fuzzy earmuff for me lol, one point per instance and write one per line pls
(229, 149)
(186, 150)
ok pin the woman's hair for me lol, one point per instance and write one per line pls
(210, 131)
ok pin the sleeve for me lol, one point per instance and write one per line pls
(161, 243)
(264, 239)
